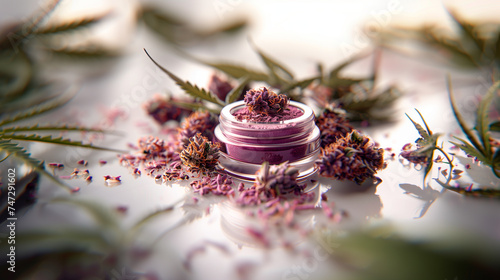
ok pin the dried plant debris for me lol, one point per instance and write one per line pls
(182, 151)
(220, 184)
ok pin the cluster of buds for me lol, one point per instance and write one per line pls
(333, 125)
(202, 122)
(200, 155)
(353, 157)
(266, 102)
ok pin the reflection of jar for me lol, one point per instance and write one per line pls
(244, 228)
(245, 145)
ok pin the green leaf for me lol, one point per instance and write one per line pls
(56, 240)
(497, 48)
(90, 52)
(421, 131)
(300, 84)
(227, 28)
(428, 167)
(472, 138)
(151, 216)
(238, 72)
(19, 36)
(194, 106)
(334, 74)
(104, 217)
(492, 193)
(277, 70)
(496, 157)
(37, 110)
(425, 123)
(471, 150)
(190, 89)
(37, 127)
(6, 157)
(451, 46)
(16, 72)
(20, 153)
(163, 24)
(468, 32)
(495, 163)
(236, 92)
(482, 119)
(68, 26)
(51, 140)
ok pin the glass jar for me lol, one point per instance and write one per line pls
(245, 144)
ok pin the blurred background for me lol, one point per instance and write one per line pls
(91, 53)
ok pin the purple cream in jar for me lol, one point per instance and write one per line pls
(247, 143)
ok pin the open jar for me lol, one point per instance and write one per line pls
(246, 144)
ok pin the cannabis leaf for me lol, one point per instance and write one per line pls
(189, 88)
(467, 191)
(69, 26)
(11, 134)
(426, 145)
(468, 45)
(479, 143)
(177, 31)
(278, 73)
(236, 92)
(236, 71)
(104, 237)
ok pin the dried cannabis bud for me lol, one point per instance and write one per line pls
(279, 179)
(162, 110)
(200, 155)
(333, 125)
(353, 157)
(198, 122)
(271, 182)
(266, 102)
(219, 86)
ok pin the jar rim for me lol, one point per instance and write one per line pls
(227, 116)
